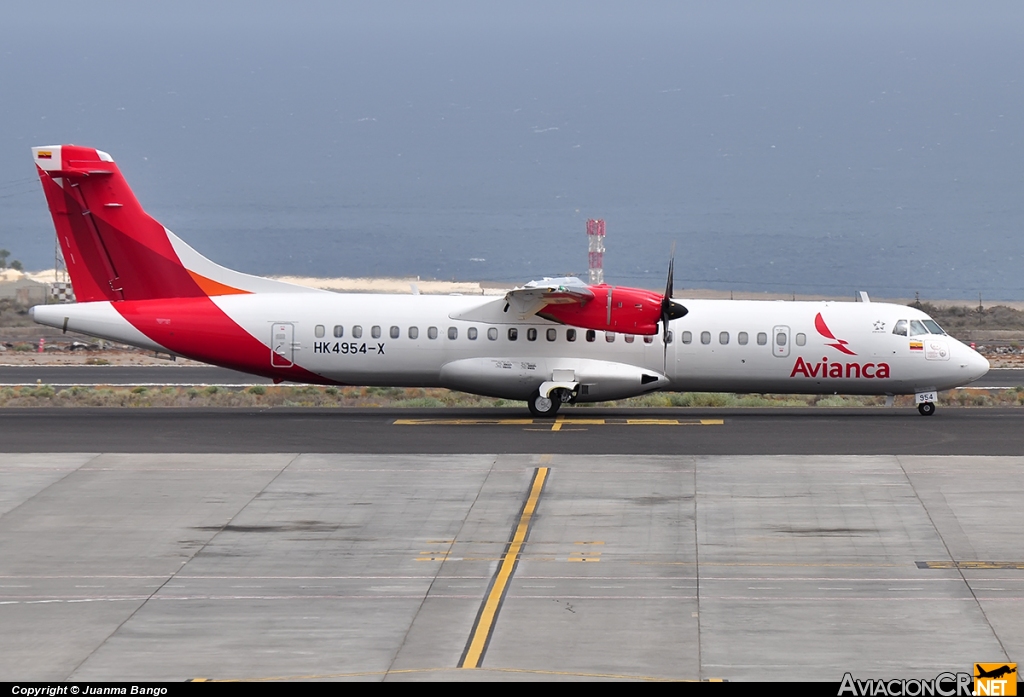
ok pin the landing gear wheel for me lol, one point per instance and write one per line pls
(543, 407)
(926, 408)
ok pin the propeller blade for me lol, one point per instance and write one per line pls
(671, 267)
(669, 309)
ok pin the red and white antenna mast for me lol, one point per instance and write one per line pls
(595, 238)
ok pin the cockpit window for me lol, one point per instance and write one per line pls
(933, 326)
(917, 328)
(900, 328)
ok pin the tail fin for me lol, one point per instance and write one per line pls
(113, 249)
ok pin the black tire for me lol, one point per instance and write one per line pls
(926, 408)
(543, 407)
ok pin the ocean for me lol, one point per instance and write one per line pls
(782, 147)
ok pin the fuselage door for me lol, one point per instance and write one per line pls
(780, 341)
(282, 345)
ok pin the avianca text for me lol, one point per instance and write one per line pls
(839, 370)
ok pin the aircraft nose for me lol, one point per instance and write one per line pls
(977, 365)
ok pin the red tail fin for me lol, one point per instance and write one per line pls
(113, 249)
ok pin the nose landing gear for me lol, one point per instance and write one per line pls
(926, 408)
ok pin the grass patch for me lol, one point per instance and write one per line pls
(317, 396)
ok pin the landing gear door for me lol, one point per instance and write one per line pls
(282, 345)
(780, 341)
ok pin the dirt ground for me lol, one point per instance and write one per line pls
(96, 357)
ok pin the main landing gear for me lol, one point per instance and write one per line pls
(547, 407)
(926, 408)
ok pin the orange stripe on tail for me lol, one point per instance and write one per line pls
(212, 287)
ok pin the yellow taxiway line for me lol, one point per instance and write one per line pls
(492, 603)
(558, 423)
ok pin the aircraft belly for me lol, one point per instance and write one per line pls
(518, 377)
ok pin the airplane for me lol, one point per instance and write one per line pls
(548, 342)
(994, 673)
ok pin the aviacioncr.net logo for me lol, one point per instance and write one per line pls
(995, 679)
(943, 685)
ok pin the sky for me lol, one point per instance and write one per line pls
(812, 146)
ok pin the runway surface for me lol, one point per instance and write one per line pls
(372, 544)
(809, 431)
(209, 375)
(513, 566)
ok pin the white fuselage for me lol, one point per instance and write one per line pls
(465, 343)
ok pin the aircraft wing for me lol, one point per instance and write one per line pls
(536, 295)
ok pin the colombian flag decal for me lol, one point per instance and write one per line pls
(917, 346)
(44, 155)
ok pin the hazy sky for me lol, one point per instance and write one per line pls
(807, 144)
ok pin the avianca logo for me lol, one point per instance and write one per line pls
(839, 370)
(819, 324)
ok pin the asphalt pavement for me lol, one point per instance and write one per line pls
(768, 431)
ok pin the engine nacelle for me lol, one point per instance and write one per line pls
(514, 378)
(613, 309)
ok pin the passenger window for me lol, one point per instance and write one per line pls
(453, 333)
(552, 334)
(668, 337)
(742, 338)
(414, 332)
(801, 339)
(900, 328)
(513, 334)
(723, 338)
(492, 334)
(375, 331)
(431, 332)
(570, 335)
(629, 338)
(395, 332)
(591, 335)
(531, 334)
(762, 339)
(917, 328)
(471, 333)
(687, 337)
(357, 332)
(648, 339)
(609, 337)
(319, 331)
(780, 338)
(705, 337)
(339, 331)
